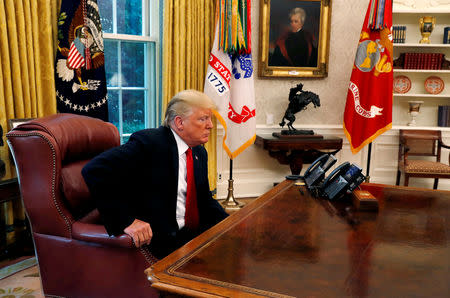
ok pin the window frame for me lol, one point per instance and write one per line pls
(150, 35)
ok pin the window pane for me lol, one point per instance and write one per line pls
(130, 65)
(111, 63)
(133, 64)
(129, 17)
(106, 15)
(125, 139)
(113, 107)
(133, 110)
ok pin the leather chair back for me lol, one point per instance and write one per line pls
(50, 172)
(76, 257)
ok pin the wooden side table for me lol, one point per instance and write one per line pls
(295, 151)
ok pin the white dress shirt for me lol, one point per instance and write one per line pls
(182, 183)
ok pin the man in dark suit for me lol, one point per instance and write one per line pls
(141, 187)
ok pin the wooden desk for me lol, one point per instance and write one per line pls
(290, 244)
(296, 151)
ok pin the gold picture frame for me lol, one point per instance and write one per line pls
(282, 49)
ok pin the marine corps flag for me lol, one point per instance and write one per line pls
(229, 77)
(368, 111)
(80, 63)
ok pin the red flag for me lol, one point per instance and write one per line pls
(368, 111)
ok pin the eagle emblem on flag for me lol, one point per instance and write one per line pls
(80, 73)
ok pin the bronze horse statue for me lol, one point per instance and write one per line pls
(297, 103)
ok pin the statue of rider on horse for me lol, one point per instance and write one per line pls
(298, 100)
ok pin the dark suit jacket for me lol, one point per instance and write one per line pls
(140, 180)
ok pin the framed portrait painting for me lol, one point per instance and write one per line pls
(294, 38)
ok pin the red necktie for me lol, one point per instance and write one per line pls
(191, 215)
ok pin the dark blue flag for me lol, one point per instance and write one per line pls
(80, 62)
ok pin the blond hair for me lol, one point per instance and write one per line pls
(183, 102)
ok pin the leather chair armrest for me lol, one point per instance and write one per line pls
(97, 234)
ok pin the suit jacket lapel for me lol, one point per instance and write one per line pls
(173, 167)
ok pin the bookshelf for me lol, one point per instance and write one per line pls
(424, 95)
(409, 17)
(420, 45)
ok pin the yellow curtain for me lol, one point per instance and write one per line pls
(188, 37)
(28, 35)
(28, 32)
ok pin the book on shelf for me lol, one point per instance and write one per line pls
(422, 60)
(399, 34)
(446, 35)
(434, 61)
(444, 116)
(395, 33)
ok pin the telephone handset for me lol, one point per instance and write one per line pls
(316, 171)
(344, 178)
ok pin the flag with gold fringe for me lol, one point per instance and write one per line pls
(80, 63)
(229, 77)
(368, 110)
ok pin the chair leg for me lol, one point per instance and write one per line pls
(406, 180)
(435, 185)
(398, 178)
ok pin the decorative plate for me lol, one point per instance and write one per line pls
(402, 84)
(434, 85)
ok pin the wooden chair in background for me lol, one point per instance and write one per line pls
(426, 146)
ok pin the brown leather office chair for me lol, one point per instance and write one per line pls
(426, 146)
(76, 256)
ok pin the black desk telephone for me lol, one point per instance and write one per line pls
(316, 171)
(345, 178)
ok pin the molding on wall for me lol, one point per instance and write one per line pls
(421, 5)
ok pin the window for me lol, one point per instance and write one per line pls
(131, 38)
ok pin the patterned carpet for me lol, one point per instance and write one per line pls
(21, 280)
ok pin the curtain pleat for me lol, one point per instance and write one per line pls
(187, 41)
(22, 57)
(31, 59)
(7, 95)
(28, 31)
(47, 100)
(13, 47)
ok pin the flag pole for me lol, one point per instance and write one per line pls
(369, 154)
(230, 204)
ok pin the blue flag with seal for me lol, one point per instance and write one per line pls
(80, 62)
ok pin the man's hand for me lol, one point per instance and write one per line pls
(140, 231)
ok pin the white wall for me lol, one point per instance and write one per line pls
(347, 17)
(254, 171)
